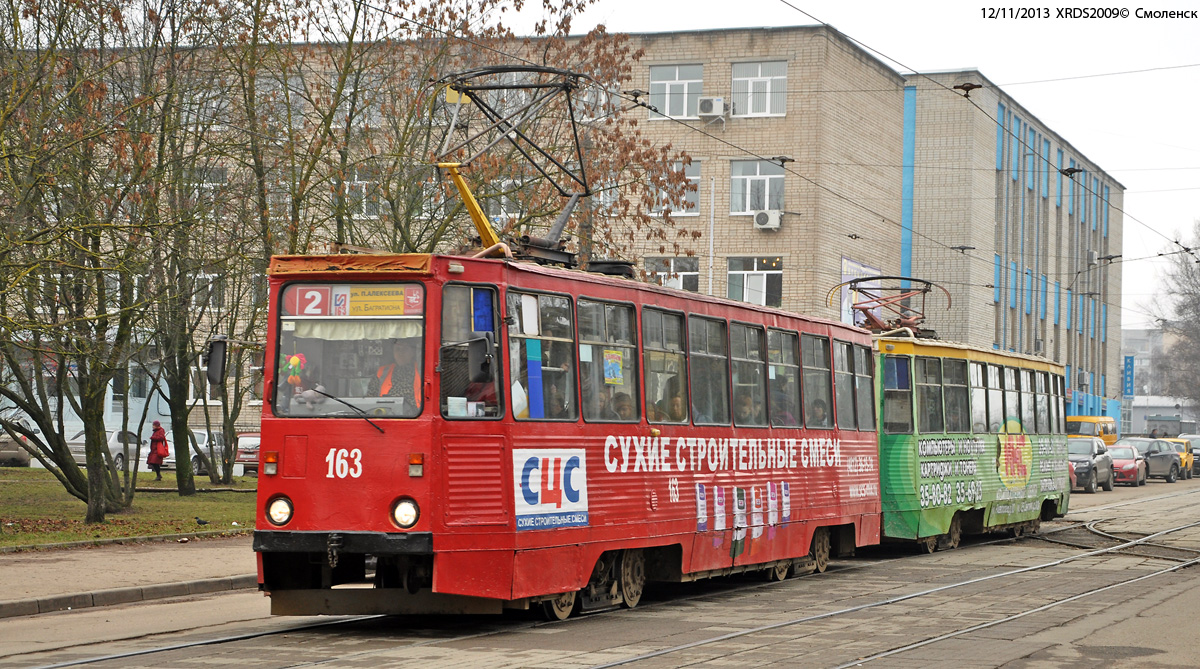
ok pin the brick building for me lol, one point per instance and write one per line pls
(815, 163)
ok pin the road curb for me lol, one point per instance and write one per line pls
(127, 540)
(113, 596)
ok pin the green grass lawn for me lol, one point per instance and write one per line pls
(35, 510)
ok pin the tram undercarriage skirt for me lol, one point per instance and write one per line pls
(377, 601)
(374, 543)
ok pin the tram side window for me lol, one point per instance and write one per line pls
(783, 378)
(1059, 404)
(897, 396)
(954, 383)
(1028, 422)
(995, 374)
(864, 389)
(607, 361)
(814, 355)
(1012, 395)
(470, 382)
(929, 396)
(843, 384)
(1043, 404)
(979, 401)
(665, 367)
(542, 364)
(749, 375)
(710, 371)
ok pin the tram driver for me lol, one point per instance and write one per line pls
(401, 377)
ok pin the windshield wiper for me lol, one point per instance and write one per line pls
(362, 414)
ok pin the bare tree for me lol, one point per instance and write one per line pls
(1179, 365)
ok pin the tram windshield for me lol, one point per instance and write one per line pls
(350, 349)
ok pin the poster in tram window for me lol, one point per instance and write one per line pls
(368, 299)
(550, 488)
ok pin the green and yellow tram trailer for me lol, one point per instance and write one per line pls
(971, 440)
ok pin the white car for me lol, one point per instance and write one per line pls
(117, 441)
(202, 444)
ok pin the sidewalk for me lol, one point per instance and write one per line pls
(55, 580)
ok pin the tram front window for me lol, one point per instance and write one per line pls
(347, 350)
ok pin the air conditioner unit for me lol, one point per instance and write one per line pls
(767, 219)
(712, 106)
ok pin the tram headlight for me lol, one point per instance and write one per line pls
(279, 511)
(406, 513)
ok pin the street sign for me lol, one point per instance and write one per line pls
(1128, 374)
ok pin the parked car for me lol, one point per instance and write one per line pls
(1093, 465)
(202, 439)
(1187, 461)
(247, 452)
(1194, 440)
(117, 441)
(1128, 464)
(12, 453)
(1162, 460)
(1104, 427)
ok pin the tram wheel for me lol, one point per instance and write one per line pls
(927, 545)
(633, 577)
(779, 572)
(1034, 526)
(819, 549)
(560, 607)
(949, 540)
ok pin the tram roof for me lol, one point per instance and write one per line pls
(426, 264)
(948, 349)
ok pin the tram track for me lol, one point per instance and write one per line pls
(930, 591)
(511, 625)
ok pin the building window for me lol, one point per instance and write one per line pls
(503, 204)
(682, 273)
(675, 90)
(362, 193)
(755, 185)
(691, 204)
(759, 89)
(200, 389)
(209, 292)
(594, 102)
(756, 280)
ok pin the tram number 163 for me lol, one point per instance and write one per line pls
(343, 463)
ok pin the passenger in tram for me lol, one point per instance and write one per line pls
(556, 403)
(782, 409)
(622, 407)
(400, 377)
(818, 414)
(677, 409)
(747, 411)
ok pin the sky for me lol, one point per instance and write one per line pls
(1125, 91)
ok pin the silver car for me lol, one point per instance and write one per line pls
(117, 441)
(12, 453)
(202, 439)
(1093, 465)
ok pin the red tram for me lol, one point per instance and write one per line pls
(450, 434)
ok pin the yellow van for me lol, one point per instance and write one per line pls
(1093, 426)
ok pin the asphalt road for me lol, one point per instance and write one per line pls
(992, 603)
